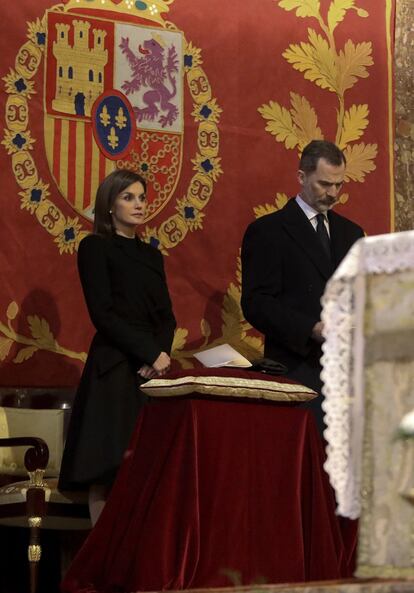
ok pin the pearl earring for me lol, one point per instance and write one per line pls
(110, 212)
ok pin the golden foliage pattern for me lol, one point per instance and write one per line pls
(315, 59)
(336, 71)
(338, 9)
(359, 160)
(41, 338)
(280, 201)
(304, 8)
(355, 122)
(352, 62)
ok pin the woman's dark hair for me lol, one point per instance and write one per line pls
(320, 149)
(109, 189)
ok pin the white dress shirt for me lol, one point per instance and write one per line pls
(311, 213)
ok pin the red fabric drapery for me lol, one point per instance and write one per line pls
(213, 491)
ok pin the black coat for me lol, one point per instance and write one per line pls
(127, 297)
(284, 273)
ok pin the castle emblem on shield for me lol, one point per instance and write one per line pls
(113, 98)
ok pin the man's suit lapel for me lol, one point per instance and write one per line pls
(300, 229)
(339, 244)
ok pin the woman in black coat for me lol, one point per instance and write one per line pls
(127, 297)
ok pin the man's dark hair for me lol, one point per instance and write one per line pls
(320, 149)
(110, 188)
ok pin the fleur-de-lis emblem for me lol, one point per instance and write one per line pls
(113, 139)
(104, 116)
(120, 119)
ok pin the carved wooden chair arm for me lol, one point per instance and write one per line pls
(36, 457)
(35, 460)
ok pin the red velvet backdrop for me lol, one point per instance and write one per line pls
(256, 81)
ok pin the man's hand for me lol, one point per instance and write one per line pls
(162, 364)
(317, 332)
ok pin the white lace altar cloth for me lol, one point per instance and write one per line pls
(344, 353)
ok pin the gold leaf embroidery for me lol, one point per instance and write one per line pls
(315, 59)
(180, 338)
(205, 328)
(304, 8)
(12, 310)
(25, 354)
(264, 209)
(343, 198)
(280, 123)
(254, 343)
(42, 338)
(5, 345)
(352, 64)
(40, 330)
(280, 201)
(306, 120)
(337, 11)
(359, 160)
(186, 364)
(355, 122)
(231, 313)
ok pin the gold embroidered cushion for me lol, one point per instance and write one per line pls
(228, 382)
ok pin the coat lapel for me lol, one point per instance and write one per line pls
(300, 229)
(339, 245)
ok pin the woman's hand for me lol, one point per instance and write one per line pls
(162, 364)
(147, 372)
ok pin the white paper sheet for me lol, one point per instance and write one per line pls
(222, 356)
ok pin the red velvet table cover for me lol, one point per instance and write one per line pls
(210, 489)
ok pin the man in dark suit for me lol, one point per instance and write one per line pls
(287, 258)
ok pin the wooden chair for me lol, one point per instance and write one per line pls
(33, 507)
(32, 433)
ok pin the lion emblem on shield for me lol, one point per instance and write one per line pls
(151, 68)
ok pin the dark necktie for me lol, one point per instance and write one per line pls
(323, 234)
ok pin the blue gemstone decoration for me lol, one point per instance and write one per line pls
(20, 85)
(207, 166)
(189, 212)
(41, 38)
(154, 242)
(141, 5)
(69, 234)
(205, 111)
(19, 141)
(188, 60)
(144, 167)
(35, 195)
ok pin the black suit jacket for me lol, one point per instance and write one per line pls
(284, 273)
